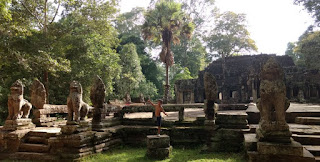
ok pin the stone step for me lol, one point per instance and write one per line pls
(44, 132)
(36, 148)
(250, 141)
(37, 134)
(317, 158)
(308, 120)
(37, 140)
(315, 150)
(307, 139)
(32, 156)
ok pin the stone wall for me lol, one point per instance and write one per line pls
(241, 83)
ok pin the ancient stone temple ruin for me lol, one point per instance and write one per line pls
(215, 126)
(241, 82)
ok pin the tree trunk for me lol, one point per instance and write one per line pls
(46, 83)
(166, 86)
(167, 37)
(46, 73)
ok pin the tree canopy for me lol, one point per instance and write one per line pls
(230, 35)
(312, 6)
(308, 49)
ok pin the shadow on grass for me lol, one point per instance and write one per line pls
(130, 154)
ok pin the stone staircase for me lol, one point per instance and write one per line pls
(309, 138)
(302, 132)
(35, 146)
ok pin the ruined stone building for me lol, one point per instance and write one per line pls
(241, 83)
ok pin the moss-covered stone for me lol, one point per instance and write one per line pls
(159, 153)
(154, 141)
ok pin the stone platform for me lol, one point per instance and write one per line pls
(295, 110)
(18, 124)
(269, 152)
(158, 147)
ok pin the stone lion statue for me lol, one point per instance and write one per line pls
(273, 102)
(18, 107)
(77, 109)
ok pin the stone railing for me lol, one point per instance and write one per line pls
(166, 107)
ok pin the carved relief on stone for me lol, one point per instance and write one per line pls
(38, 94)
(18, 107)
(273, 104)
(77, 109)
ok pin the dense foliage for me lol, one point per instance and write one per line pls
(305, 52)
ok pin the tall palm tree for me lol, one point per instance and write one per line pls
(165, 23)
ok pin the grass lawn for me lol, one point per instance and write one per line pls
(129, 154)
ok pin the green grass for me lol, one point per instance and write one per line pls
(129, 154)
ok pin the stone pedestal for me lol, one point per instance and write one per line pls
(158, 147)
(228, 136)
(274, 132)
(210, 128)
(73, 127)
(283, 152)
(294, 148)
(18, 124)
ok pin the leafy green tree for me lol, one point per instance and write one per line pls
(149, 66)
(89, 41)
(165, 23)
(181, 74)
(129, 28)
(4, 11)
(147, 88)
(131, 74)
(291, 51)
(191, 54)
(308, 49)
(25, 51)
(230, 35)
(178, 73)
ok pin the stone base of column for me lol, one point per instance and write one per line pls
(158, 147)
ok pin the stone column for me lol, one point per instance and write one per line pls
(181, 114)
(210, 108)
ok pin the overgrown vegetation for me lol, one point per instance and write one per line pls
(178, 155)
